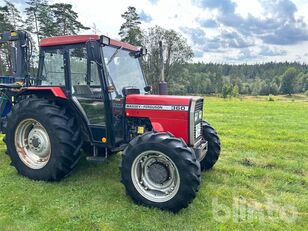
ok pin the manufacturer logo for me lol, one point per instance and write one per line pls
(157, 107)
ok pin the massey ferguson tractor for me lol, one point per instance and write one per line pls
(90, 93)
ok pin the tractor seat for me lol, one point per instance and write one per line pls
(83, 90)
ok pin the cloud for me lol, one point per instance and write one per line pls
(227, 39)
(279, 26)
(245, 55)
(197, 37)
(197, 34)
(224, 6)
(198, 53)
(209, 23)
(18, 1)
(233, 39)
(153, 1)
(200, 41)
(268, 51)
(145, 17)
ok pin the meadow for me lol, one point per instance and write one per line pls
(259, 183)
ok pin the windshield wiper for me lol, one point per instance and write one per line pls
(114, 55)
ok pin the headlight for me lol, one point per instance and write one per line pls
(196, 116)
(198, 130)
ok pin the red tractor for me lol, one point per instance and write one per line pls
(90, 93)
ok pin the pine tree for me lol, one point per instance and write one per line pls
(10, 19)
(66, 19)
(130, 30)
(38, 18)
(14, 17)
(4, 26)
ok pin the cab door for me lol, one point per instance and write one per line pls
(87, 92)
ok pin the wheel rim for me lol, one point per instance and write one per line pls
(155, 176)
(32, 143)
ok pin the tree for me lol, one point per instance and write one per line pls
(226, 90)
(175, 48)
(94, 29)
(288, 80)
(4, 26)
(235, 91)
(66, 19)
(10, 19)
(130, 31)
(14, 17)
(34, 16)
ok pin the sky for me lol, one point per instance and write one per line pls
(221, 31)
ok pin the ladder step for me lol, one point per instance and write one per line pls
(96, 158)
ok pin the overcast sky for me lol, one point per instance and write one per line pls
(224, 31)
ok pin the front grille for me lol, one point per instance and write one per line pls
(198, 122)
(195, 120)
(199, 105)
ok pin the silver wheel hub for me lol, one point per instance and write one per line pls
(155, 176)
(32, 143)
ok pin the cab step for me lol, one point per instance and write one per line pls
(96, 157)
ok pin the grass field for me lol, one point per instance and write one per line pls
(259, 183)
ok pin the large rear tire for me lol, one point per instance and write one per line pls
(212, 155)
(159, 170)
(43, 140)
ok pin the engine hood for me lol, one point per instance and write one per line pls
(158, 102)
(166, 113)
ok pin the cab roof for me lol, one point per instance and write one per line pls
(73, 39)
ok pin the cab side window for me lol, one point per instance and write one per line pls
(78, 61)
(53, 68)
(84, 74)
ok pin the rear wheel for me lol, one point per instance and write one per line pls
(160, 171)
(42, 139)
(212, 155)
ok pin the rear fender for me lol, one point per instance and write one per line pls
(55, 91)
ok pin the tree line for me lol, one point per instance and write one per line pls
(231, 80)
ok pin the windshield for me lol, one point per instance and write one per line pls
(123, 70)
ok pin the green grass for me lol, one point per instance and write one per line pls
(263, 160)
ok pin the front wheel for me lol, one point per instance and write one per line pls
(212, 155)
(160, 171)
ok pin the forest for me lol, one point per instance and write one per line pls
(231, 80)
(184, 76)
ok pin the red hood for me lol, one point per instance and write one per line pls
(166, 113)
(158, 99)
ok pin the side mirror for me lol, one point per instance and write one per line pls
(143, 51)
(148, 88)
(93, 50)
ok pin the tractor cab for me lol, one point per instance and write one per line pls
(96, 73)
